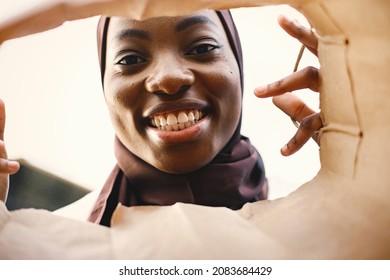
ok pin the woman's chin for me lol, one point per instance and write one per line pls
(183, 167)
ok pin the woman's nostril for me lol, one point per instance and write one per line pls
(184, 88)
(159, 92)
(167, 88)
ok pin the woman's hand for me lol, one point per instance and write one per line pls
(7, 167)
(309, 120)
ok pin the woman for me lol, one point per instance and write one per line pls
(173, 90)
(173, 87)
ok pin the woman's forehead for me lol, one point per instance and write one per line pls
(200, 18)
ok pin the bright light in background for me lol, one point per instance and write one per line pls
(57, 119)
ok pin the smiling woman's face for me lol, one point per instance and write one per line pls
(172, 87)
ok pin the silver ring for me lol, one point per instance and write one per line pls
(295, 123)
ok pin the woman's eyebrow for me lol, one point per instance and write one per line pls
(135, 33)
(190, 21)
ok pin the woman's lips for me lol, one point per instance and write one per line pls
(177, 122)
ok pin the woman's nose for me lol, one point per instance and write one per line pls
(169, 75)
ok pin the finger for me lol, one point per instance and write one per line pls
(8, 166)
(305, 78)
(3, 151)
(52, 14)
(307, 129)
(293, 106)
(303, 34)
(5, 165)
(2, 119)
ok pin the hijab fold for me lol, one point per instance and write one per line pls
(234, 177)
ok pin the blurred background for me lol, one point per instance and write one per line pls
(58, 125)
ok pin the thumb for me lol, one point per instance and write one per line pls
(9, 166)
(2, 119)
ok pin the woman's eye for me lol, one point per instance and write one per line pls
(203, 49)
(131, 60)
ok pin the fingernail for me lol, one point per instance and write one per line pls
(260, 90)
(284, 18)
(284, 150)
(13, 165)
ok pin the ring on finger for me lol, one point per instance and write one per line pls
(295, 122)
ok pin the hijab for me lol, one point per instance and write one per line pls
(234, 177)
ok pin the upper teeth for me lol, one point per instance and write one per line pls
(176, 120)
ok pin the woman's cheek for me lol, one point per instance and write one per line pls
(227, 85)
(120, 90)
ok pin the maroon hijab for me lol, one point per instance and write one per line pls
(234, 177)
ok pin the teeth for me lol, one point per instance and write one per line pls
(182, 117)
(156, 122)
(163, 121)
(196, 116)
(171, 119)
(177, 120)
(191, 116)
